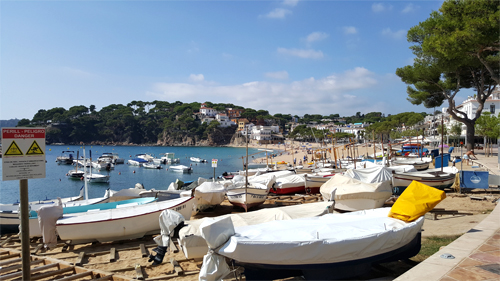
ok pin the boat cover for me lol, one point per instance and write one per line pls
(371, 174)
(47, 217)
(291, 181)
(330, 238)
(194, 245)
(402, 168)
(209, 193)
(215, 266)
(169, 219)
(349, 188)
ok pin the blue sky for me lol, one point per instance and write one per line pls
(315, 57)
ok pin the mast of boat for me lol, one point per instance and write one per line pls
(293, 156)
(85, 175)
(246, 172)
(442, 141)
(374, 149)
(77, 157)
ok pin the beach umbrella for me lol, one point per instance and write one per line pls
(444, 146)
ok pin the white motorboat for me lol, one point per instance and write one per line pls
(194, 246)
(110, 157)
(354, 195)
(66, 158)
(180, 169)
(197, 159)
(97, 178)
(137, 161)
(122, 223)
(151, 165)
(169, 158)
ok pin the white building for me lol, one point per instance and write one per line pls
(207, 111)
(224, 121)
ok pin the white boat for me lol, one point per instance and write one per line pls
(354, 195)
(97, 178)
(146, 156)
(169, 158)
(9, 213)
(85, 206)
(252, 196)
(332, 246)
(198, 160)
(122, 223)
(151, 165)
(419, 164)
(209, 194)
(194, 246)
(291, 184)
(110, 157)
(432, 177)
(137, 161)
(66, 158)
(180, 169)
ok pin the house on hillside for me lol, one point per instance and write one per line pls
(224, 120)
(207, 111)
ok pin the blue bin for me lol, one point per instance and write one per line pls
(446, 159)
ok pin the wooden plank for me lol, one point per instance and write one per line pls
(77, 276)
(178, 269)
(4, 263)
(33, 270)
(138, 272)
(53, 273)
(112, 254)
(144, 252)
(79, 260)
(107, 277)
(17, 266)
(6, 241)
(10, 256)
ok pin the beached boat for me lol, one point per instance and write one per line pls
(121, 223)
(66, 158)
(9, 213)
(436, 178)
(194, 246)
(291, 184)
(249, 197)
(354, 195)
(197, 159)
(328, 247)
(419, 164)
(180, 169)
(86, 206)
(209, 194)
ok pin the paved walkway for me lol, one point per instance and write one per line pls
(476, 253)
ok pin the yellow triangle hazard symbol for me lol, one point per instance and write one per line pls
(13, 150)
(34, 149)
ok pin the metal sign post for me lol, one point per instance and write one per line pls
(24, 159)
(214, 165)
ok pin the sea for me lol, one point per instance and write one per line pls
(57, 184)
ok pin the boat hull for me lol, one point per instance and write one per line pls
(250, 198)
(330, 271)
(132, 223)
(401, 181)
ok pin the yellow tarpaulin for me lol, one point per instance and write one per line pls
(415, 201)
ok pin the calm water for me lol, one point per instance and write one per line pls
(57, 184)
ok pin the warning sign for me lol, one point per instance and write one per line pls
(13, 150)
(25, 154)
(34, 149)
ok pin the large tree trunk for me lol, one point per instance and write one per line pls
(469, 136)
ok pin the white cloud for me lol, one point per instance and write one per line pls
(332, 94)
(291, 3)
(350, 30)
(278, 13)
(76, 72)
(409, 8)
(316, 36)
(305, 54)
(280, 75)
(379, 7)
(196, 77)
(394, 34)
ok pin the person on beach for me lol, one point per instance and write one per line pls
(470, 153)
